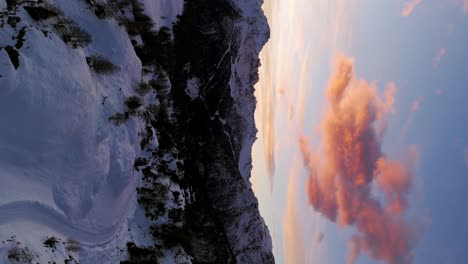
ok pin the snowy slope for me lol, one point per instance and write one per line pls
(65, 170)
(163, 12)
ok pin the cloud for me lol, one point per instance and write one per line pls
(438, 57)
(282, 91)
(266, 110)
(416, 104)
(460, 3)
(409, 7)
(350, 163)
(395, 182)
(302, 229)
(293, 244)
(291, 112)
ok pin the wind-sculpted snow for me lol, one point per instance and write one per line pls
(63, 165)
(30, 211)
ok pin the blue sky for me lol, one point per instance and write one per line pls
(423, 54)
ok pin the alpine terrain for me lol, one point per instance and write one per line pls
(126, 131)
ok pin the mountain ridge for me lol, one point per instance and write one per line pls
(187, 129)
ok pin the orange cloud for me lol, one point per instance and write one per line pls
(439, 56)
(409, 7)
(351, 160)
(395, 181)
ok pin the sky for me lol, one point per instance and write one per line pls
(362, 150)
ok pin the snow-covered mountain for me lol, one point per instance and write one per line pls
(124, 140)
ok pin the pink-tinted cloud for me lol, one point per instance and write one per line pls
(395, 182)
(460, 3)
(416, 104)
(438, 57)
(291, 111)
(342, 174)
(282, 91)
(409, 7)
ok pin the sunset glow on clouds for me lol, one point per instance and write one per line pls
(350, 160)
(465, 5)
(289, 63)
(357, 161)
(416, 104)
(409, 7)
(266, 106)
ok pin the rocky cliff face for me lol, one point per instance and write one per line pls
(222, 129)
(125, 139)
